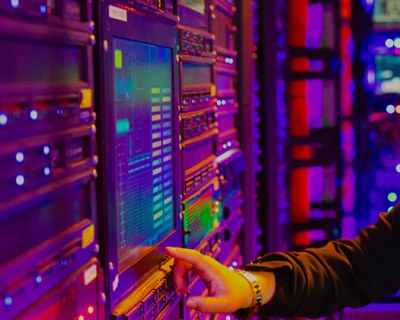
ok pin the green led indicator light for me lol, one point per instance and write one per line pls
(392, 197)
(118, 59)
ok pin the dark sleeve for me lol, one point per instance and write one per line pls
(344, 273)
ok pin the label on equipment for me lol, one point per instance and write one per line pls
(90, 274)
(115, 283)
(86, 101)
(87, 236)
(117, 13)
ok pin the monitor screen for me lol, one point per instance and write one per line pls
(195, 5)
(386, 11)
(143, 147)
(387, 74)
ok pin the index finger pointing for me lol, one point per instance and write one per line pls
(191, 256)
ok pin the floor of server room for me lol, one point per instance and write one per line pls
(375, 311)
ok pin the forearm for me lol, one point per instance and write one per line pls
(317, 282)
(311, 283)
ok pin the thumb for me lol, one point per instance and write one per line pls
(210, 304)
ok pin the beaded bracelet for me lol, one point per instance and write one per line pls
(255, 286)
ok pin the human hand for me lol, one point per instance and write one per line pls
(227, 290)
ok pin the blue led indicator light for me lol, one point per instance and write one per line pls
(38, 279)
(43, 8)
(63, 263)
(8, 301)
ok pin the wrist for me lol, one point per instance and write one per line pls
(256, 290)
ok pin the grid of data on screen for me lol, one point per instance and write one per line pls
(143, 161)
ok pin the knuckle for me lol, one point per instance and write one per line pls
(197, 254)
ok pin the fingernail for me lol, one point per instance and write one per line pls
(191, 304)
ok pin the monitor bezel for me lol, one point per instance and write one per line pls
(147, 29)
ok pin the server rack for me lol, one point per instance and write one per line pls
(314, 115)
(48, 159)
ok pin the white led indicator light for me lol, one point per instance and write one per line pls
(3, 119)
(34, 114)
(14, 3)
(46, 150)
(20, 180)
(389, 43)
(19, 156)
(390, 109)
